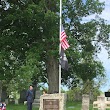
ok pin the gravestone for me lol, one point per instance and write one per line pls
(16, 101)
(36, 102)
(85, 102)
(101, 100)
(6, 101)
(53, 102)
(23, 96)
(4, 95)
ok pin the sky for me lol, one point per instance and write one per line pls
(103, 56)
(105, 13)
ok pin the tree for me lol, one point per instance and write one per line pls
(86, 43)
(29, 27)
(26, 22)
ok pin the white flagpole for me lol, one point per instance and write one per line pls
(60, 45)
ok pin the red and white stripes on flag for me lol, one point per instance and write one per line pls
(63, 40)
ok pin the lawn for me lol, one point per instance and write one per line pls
(18, 107)
(69, 106)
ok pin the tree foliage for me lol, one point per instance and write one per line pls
(29, 39)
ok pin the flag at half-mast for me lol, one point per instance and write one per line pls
(64, 45)
(63, 40)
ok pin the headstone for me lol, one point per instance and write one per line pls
(53, 102)
(77, 96)
(6, 101)
(36, 102)
(23, 96)
(4, 95)
(16, 101)
(85, 102)
(101, 100)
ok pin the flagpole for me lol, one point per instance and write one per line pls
(60, 45)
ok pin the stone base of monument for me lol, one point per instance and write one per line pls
(53, 102)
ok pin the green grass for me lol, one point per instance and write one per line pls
(73, 106)
(69, 106)
(18, 107)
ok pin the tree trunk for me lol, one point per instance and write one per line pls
(0, 90)
(53, 75)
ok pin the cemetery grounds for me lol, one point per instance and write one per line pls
(69, 106)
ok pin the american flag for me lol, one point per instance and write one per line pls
(64, 46)
(63, 40)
